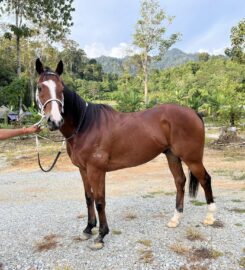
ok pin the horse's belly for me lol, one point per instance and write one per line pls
(131, 159)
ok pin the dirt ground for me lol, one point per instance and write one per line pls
(27, 194)
(227, 167)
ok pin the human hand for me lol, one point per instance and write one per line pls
(32, 129)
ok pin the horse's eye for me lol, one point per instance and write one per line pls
(39, 88)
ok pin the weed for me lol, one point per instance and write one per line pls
(179, 248)
(238, 210)
(145, 242)
(116, 232)
(155, 193)
(204, 253)
(239, 177)
(236, 201)
(242, 262)
(218, 224)
(146, 256)
(130, 216)
(48, 242)
(197, 203)
(147, 196)
(238, 224)
(193, 234)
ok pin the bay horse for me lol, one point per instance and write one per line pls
(100, 139)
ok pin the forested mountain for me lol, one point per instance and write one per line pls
(174, 57)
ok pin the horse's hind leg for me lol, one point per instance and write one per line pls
(198, 173)
(89, 196)
(176, 169)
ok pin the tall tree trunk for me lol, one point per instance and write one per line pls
(145, 68)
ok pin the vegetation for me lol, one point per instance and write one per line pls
(149, 37)
(213, 85)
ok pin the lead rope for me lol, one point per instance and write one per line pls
(63, 141)
(55, 160)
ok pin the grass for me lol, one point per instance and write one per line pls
(234, 175)
(193, 234)
(204, 253)
(158, 193)
(239, 177)
(218, 224)
(238, 210)
(130, 216)
(48, 242)
(242, 262)
(146, 256)
(236, 201)
(197, 203)
(179, 249)
(116, 232)
(145, 242)
(238, 224)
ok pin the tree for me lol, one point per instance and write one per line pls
(54, 17)
(149, 36)
(237, 50)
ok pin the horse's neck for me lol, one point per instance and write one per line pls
(72, 113)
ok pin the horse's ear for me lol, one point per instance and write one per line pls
(39, 66)
(59, 69)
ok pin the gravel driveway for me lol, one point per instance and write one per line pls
(42, 216)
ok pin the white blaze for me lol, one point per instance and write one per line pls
(55, 113)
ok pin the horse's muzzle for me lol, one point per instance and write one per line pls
(54, 125)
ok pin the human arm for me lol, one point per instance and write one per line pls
(9, 133)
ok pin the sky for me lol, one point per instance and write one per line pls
(105, 27)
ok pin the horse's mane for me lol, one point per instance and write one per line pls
(75, 106)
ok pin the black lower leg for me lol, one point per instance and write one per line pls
(91, 215)
(103, 229)
(208, 188)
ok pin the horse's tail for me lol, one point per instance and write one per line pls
(193, 185)
(200, 115)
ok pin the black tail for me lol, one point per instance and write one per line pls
(193, 185)
(200, 115)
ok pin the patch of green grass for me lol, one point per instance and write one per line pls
(238, 224)
(242, 262)
(116, 232)
(238, 210)
(145, 242)
(147, 196)
(236, 200)
(197, 203)
(239, 177)
(156, 193)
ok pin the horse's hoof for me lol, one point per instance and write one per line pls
(85, 236)
(209, 221)
(96, 246)
(173, 224)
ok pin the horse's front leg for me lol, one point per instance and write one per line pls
(89, 196)
(96, 179)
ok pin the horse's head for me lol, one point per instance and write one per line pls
(49, 94)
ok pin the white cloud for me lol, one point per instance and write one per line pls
(216, 51)
(97, 49)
